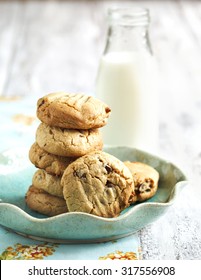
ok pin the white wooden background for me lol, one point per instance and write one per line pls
(56, 45)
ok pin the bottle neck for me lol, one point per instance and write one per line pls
(128, 30)
(126, 38)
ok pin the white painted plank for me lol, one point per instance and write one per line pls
(57, 51)
(9, 26)
(177, 235)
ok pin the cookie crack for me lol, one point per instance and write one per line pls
(87, 136)
(71, 106)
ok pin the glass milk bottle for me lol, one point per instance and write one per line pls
(127, 81)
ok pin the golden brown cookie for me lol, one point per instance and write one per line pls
(52, 164)
(68, 142)
(76, 111)
(145, 179)
(97, 183)
(44, 203)
(49, 183)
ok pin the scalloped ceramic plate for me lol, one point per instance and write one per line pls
(16, 175)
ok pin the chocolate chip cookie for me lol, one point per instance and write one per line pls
(52, 164)
(68, 142)
(45, 203)
(145, 179)
(98, 184)
(75, 111)
(49, 183)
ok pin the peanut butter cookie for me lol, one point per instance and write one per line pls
(68, 142)
(76, 111)
(97, 183)
(52, 164)
(145, 179)
(49, 183)
(45, 203)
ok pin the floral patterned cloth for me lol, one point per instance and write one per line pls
(16, 247)
(18, 125)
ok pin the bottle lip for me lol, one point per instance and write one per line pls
(134, 16)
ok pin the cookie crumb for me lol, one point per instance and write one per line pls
(24, 119)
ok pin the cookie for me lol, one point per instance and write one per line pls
(68, 142)
(75, 111)
(52, 164)
(145, 179)
(49, 183)
(44, 203)
(98, 184)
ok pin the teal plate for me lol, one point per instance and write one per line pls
(16, 173)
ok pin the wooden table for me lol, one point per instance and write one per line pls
(56, 45)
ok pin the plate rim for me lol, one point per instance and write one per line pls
(130, 212)
(178, 187)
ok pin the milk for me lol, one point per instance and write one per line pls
(127, 83)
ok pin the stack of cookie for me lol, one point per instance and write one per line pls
(74, 174)
(69, 129)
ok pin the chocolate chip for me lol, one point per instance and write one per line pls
(108, 169)
(107, 110)
(109, 184)
(79, 174)
(84, 176)
(144, 187)
(43, 101)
